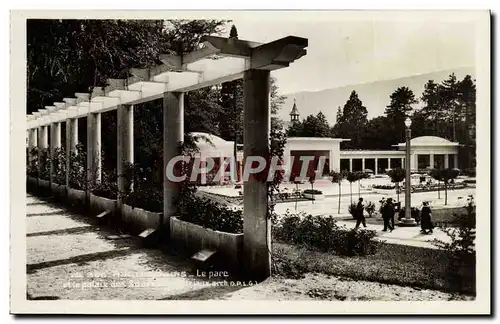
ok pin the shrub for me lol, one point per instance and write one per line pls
(59, 161)
(470, 172)
(323, 233)
(313, 192)
(107, 187)
(386, 187)
(78, 168)
(32, 166)
(370, 208)
(461, 248)
(415, 214)
(209, 214)
(352, 209)
(150, 199)
(44, 164)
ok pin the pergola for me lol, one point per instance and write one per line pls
(218, 60)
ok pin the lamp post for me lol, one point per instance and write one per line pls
(408, 221)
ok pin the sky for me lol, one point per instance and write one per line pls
(351, 48)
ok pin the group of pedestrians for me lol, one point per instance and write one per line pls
(388, 211)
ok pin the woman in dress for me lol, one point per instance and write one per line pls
(425, 219)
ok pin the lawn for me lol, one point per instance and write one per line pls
(392, 264)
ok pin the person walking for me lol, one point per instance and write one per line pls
(360, 218)
(382, 204)
(388, 215)
(425, 219)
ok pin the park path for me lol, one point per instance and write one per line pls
(70, 257)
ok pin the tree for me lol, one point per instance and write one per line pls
(351, 177)
(449, 94)
(467, 100)
(397, 175)
(399, 108)
(352, 122)
(311, 126)
(337, 177)
(445, 175)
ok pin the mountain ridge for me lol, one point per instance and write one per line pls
(374, 95)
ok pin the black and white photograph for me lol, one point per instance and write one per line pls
(265, 162)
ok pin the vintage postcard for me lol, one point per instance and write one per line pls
(235, 162)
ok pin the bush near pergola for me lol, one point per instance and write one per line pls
(397, 175)
(444, 175)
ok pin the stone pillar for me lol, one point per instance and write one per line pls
(55, 142)
(124, 146)
(446, 161)
(455, 161)
(363, 164)
(71, 143)
(173, 136)
(93, 149)
(350, 165)
(32, 143)
(431, 160)
(376, 166)
(389, 163)
(256, 224)
(403, 163)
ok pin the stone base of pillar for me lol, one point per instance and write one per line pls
(407, 222)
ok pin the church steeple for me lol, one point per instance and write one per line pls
(294, 114)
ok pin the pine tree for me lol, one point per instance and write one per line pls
(399, 108)
(353, 122)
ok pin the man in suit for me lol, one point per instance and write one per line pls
(388, 215)
(360, 218)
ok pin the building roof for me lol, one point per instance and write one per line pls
(429, 141)
(206, 139)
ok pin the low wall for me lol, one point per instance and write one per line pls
(44, 184)
(58, 190)
(32, 181)
(100, 204)
(76, 196)
(195, 238)
(140, 218)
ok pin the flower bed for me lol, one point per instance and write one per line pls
(211, 215)
(313, 194)
(384, 187)
(194, 238)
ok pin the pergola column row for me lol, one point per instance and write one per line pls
(178, 74)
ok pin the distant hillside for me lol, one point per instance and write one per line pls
(375, 95)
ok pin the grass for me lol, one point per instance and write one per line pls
(391, 264)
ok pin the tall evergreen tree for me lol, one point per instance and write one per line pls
(449, 95)
(399, 108)
(353, 121)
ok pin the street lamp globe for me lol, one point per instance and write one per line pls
(408, 122)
